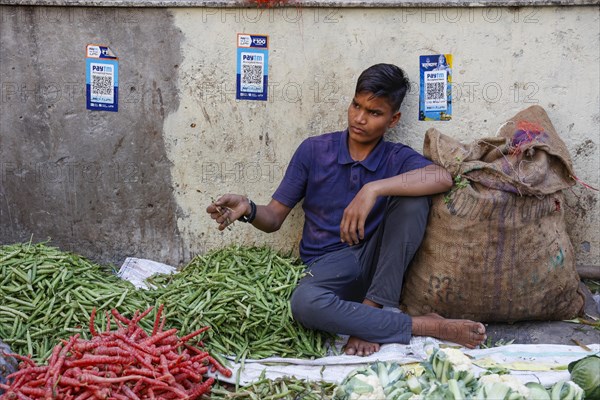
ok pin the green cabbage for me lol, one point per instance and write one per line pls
(585, 373)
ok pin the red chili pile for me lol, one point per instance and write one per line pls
(124, 364)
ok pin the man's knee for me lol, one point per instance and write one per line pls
(304, 304)
(411, 205)
(408, 210)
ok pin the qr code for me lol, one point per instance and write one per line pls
(435, 91)
(252, 74)
(102, 85)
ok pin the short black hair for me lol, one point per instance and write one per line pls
(384, 80)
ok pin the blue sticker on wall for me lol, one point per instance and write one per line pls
(252, 67)
(435, 94)
(101, 79)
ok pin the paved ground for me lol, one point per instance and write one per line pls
(551, 332)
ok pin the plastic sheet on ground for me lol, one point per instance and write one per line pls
(137, 270)
(543, 363)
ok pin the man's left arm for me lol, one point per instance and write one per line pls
(424, 181)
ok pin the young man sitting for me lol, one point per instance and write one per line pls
(366, 206)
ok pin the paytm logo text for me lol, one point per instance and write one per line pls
(252, 57)
(101, 68)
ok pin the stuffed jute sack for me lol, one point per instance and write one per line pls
(496, 246)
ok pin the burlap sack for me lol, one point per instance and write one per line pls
(496, 247)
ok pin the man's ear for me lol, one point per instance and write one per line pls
(395, 119)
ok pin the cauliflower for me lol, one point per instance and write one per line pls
(377, 381)
(458, 359)
(496, 386)
(451, 363)
(361, 384)
(366, 387)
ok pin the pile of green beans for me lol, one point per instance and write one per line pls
(47, 295)
(243, 294)
(282, 388)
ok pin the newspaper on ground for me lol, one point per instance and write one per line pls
(137, 270)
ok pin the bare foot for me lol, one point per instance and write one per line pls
(461, 331)
(359, 347)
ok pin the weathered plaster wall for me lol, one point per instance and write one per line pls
(181, 138)
(97, 183)
(504, 60)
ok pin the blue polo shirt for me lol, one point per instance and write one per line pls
(323, 174)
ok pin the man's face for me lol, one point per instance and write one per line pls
(369, 118)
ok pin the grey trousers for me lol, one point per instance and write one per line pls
(329, 297)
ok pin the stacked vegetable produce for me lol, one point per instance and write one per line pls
(448, 375)
(127, 363)
(48, 295)
(241, 293)
(282, 388)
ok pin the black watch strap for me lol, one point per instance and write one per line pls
(252, 215)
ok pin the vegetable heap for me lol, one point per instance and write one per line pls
(380, 380)
(281, 388)
(242, 293)
(48, 295)
(446, 375)
(127, 363)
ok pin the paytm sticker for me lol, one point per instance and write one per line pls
(101, 79)
(252, 67)
(435, 94)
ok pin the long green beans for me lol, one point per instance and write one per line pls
(286, 388)
(242, 293)
(47, 294)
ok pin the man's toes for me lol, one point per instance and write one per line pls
(350, 351)
(477, 339)
(368, 350)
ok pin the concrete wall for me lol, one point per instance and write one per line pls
(137, 182)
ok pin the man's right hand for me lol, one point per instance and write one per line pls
(228, 208)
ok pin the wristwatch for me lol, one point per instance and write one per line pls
(249, 218)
